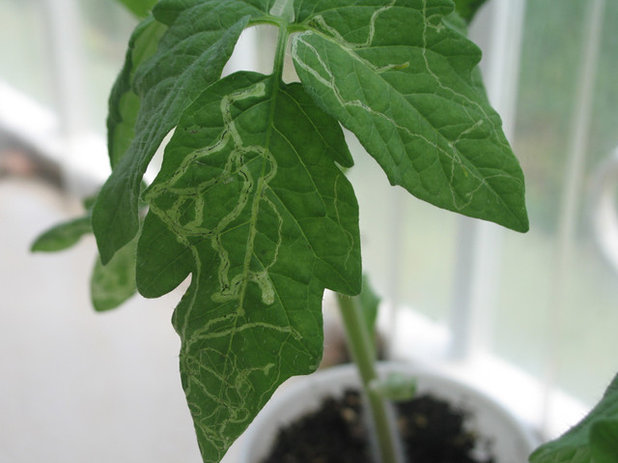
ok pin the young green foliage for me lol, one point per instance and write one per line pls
(401, 80)
(114, 283)
(593, 440)
(189, 57)
(251, 201)
(110, 285)
(468, 8)
(124, 104)
(62, 236)
(395, 387)
(139, 8)
(411, 99)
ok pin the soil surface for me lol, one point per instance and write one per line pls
(432, 431)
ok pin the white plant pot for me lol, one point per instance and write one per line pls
(511, 441)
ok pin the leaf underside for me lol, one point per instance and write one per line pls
(250, 202)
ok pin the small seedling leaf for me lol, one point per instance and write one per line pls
(63, 235)
(395, 386)
(114, 283)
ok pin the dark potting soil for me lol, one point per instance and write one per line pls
(432, 431)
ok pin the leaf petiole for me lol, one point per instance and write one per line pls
(282, 43)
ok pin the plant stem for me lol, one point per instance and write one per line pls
(282, 43)
(363, 354)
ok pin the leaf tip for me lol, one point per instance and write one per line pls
(524, 224)
(36, 246)
(523, 221)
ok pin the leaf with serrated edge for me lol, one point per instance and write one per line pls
(114, 283)
(190, 56)
(249, 187)
(401, 80)
(576, 445)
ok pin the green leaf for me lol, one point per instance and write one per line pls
(467, 9)
(604, 441)
(402, 81)
(396, 386)
(140, 8)
(114, 283)
(250, 201)
(63, 235)
(160, 272)
(593, 440)
(123, 102)
(190, 56)
(88, 201)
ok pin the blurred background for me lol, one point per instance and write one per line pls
(530, 318)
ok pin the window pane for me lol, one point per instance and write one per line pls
(549, 297)
(28, 64)
(106, 30)
(25, 63)
(408, 245)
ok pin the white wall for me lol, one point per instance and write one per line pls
(77, 386)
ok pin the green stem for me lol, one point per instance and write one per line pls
(363, 353)
(282, 44)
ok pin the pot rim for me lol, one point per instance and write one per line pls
(333, 380)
